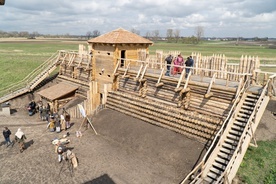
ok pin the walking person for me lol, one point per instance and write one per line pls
(20, 139)
(6, 134)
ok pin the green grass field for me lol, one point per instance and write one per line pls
(18, 58)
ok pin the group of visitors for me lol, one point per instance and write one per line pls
(178, 65)
(19, 137)
(44, 111)
(57, 122)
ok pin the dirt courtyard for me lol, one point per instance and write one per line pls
(125, 151)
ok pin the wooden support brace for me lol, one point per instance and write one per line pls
(140, 69)
(177, 89)
(209, 94)
(116, 68)
(72, 58)
(144, 71)
(116, 74)
(158, 84)
(79, 64)
(239, 87)
(125, 74)
(186, 89)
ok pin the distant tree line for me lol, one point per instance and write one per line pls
(172, 35)
(33, 35)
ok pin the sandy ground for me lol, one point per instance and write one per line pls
(125, 151)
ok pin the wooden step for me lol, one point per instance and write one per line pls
(243, 115)
(241, 124)
(235, 133)
(241, 119)
(232, 137)
(249, 103)
(206, 180)
(247, 107)
(222, 161)
(225, 150)
(213, 176)
(216, 171)
(245, 111)
(230, 146)
(252, 95)
(254, 100)
(238, 128)
(224, 156)
(219, 166)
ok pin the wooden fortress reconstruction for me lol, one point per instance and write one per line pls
(218, 102)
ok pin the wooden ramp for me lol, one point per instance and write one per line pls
(32, 80)
(225, 159)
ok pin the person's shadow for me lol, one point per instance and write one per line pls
(2, 143)
(28, 144)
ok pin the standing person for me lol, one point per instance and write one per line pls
(52, 124)
(189, 63)
(40, 109)
(62, 122)
(60, 149)
(169, 62)
(20, 139)
(178, 62)
(67, 119)
(57, 124)
(6, 134)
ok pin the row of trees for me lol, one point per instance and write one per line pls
(26, 34)
(172, 35)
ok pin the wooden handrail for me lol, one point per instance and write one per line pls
(214, 142)
(244, 134)
(24, 82)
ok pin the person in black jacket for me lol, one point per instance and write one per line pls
(6, 134)
(189, 63)
(169, 62)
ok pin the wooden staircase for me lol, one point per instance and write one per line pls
(30, 82)
(225, 159)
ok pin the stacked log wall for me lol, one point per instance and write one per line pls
(160, 106)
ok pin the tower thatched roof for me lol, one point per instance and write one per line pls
(119, 36)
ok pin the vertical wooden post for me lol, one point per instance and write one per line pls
(93, 64)
(94, 95)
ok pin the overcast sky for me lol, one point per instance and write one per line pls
(219, 18)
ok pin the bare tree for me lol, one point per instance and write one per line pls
(135, 31)
(176, 34)
(199, 31)
(169, 34)
(88, 34)
(96, 33)
(155, 34)
(148, 35)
